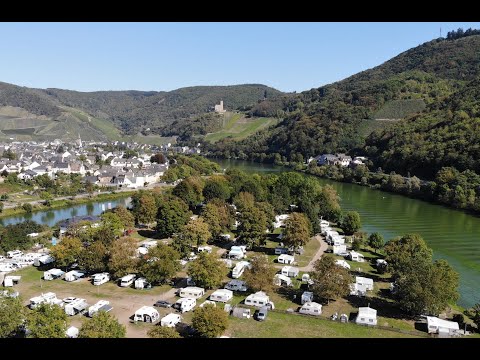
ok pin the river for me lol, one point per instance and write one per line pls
(453, 235)
(51, 217)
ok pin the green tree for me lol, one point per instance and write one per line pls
(244, 201)
(172, 216)
(47, 321)
(45, 195)
(427, 288)
(297, 230)
(94, 258)
(329, 206)
(330, 281)
(190, 191)
(163, 332)
(259, 277)
(403, 251)
(252, 228)
(216, 187)
(375, 241)
(11, 316)
(196, 232)
(89, 188)
(269, 212)
(67, 251)
(210, 321)
(351, 222)
(27, 207)
(160, 264)
(158, 158)
(126, 216)
(211, 216)
(102, 325)
(1, 207)
(146, 210)
(123, 259)
(113, 222)
(207, 271)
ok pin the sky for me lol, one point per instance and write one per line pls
(166, 56)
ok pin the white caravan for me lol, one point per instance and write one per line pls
(311, 308)
(100, 278)
(222, 295)
(259, 299)
(101, 305)
(146, 314)
(53, 274)
(49, 298)
(185, 304)
(239, 268)
(192, 292)
(75, 307)
(11, 280)
(170, 320)
(286, 259)
(43, 260)
(74, 275)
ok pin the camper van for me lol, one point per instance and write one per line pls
(146, 314)
(101, 305)
(239, 268)
(127, 280)
(100, 278)
(170, 320)
(192, 292)
(53, 274)
(76, 307)
(185, 304)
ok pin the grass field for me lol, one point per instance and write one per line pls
(281, 325)
(238, 127)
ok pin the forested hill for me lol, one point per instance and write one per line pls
(133, 111)
(426, 80)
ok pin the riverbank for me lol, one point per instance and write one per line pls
(63, 203)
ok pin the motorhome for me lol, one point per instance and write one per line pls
(100, 278)
(101, 305)
(74, 275)
(43, 260)
(146, 314)
(49, 298)
(127, 280)
(222, 295)
(185, 304)
(192, 292)
(76, 306)
(53, 274)
(239, 268)
(170, 320)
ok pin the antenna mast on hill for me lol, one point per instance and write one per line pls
(440, 32)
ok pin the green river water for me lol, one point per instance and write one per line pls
(453, 235)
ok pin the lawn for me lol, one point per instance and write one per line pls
(310, 249)
(281, 325)
(238, 127)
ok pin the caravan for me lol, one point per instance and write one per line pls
(170, 320)
(259, 299)
(74, 275)
(101, 305)
(222, 295)
(49, 298)
(185, 304)
(290, 271)
(100, 278)
(127, 280)
(239, 268)
(75, 307)
(53, 274)
(192, 292)
(142, 283)
(43, 260)
(11, 280)
(286, 259)
(146, 314)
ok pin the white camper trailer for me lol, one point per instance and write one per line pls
(355, 256)
(343, 264)
(282, 280)
(49, 298)
(76, 307)
(7, 267)
(286, 259)
(53, 274)
(239, 268)
(366, 316)
(170, 320)
(43, 260)
(146, 314)
(101, 305)
(340, 250)
(11, 280)
(14, 253)
(259, 299)
(290, 271)
(100, 278)
(236, 253)
(207, 249)
(440, 326)
(222, 295)
(185, 304)
(311, 308)
(192, 292)
(127, 280)
(74, 275)
(363, 281)
(142, 283)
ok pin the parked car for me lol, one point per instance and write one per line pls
(262, 314)
(162, 303)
